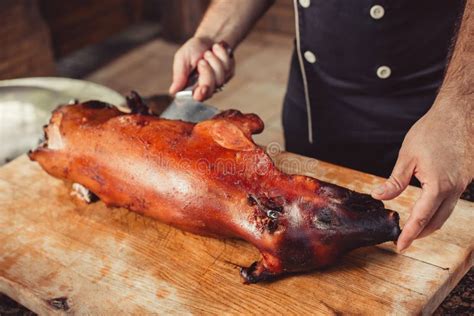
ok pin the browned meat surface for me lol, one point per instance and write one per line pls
(211, 179)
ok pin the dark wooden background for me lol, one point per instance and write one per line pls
(35, 33)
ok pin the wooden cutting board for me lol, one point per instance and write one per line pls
(57, 256)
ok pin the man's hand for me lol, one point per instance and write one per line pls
(214, 65)
(439, 149)
(226, 21)
(438, 152)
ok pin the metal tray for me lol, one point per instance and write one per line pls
(26, 105)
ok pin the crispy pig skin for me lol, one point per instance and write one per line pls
(211, 179)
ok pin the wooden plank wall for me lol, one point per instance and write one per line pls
(33, 31)
(78, 23)
(25, 49)
(180, 18)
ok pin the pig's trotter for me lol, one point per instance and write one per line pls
(257, 272)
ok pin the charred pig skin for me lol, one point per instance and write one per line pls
(211, 179)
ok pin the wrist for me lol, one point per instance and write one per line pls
(214, 36)
(205, 40)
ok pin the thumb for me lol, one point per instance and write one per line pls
(181, 70)
(398, 181)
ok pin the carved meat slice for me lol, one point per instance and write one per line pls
(211, 179)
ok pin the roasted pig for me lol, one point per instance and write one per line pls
(211, 179)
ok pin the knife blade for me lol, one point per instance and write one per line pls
(185, 108)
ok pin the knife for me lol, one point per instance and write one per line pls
(184, 107)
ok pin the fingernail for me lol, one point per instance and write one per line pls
(380, 189)
(202, 63)
(204, 90)
(401, 249)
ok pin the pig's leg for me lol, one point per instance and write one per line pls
(268, 268)
(82, 193)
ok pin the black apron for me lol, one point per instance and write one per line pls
(371, 69)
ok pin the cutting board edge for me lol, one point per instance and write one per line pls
(19, 293)
(453, 279)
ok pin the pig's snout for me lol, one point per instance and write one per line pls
(394, 222)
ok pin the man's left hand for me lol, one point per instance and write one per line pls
(438, 151)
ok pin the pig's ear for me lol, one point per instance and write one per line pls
(248, 123)
(229, 136)
(137, 105)
(226, 134)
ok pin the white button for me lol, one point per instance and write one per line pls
(305, 3)
(383, 72)
(377, 12)
(309, 56)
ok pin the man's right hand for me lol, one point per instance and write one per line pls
(214, 65)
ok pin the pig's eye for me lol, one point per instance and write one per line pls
(272, 214)
(326, 219)
(325, 216)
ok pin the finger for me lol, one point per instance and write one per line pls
(206, 81)
(227, 60)
(397, 182)
(224, 57)
(217, 67)
(441, 215)
(181, 70)
(420, 216)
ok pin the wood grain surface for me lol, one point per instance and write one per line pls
(60, 256)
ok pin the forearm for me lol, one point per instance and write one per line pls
(458, 83)
(231, 20)
(454, 105)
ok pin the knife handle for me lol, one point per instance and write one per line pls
(194, 75)
(190, 85)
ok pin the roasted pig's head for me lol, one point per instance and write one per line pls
(309, 232)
